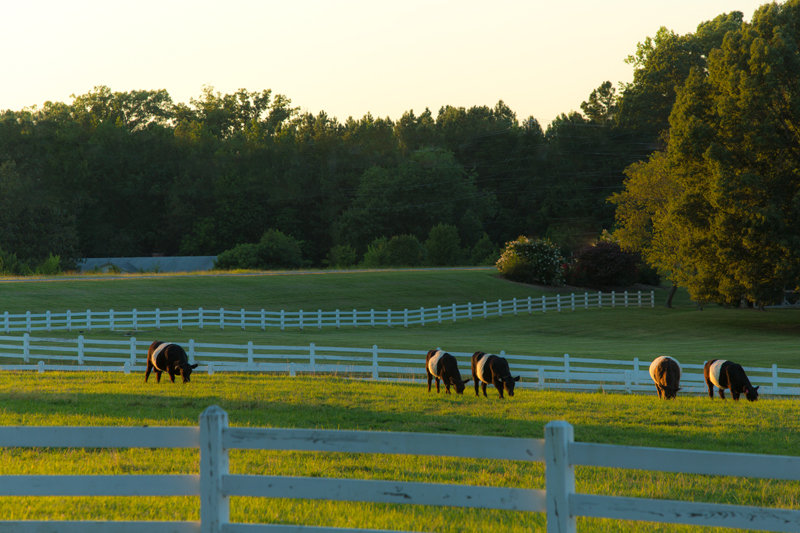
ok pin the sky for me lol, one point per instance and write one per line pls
(344, 57)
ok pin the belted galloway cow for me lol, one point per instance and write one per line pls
(666, 374)
(492, 369)
(728, 375)
(443, 366)
(170, 358)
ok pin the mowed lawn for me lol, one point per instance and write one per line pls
(692, 335)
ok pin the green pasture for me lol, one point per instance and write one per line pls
(756, 338)
(750, 337)
(333, 403)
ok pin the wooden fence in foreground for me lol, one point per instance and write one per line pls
(262, 319)
(565, 372)
(215, 484)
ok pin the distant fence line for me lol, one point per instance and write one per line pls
(538, 372)
(263, 319)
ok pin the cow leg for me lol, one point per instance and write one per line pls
(735, 393)
(437, 385)
(476, 381)
(149, 368)
(722, 393)
(430, 378)
(658, 391)
(446, 386)
(158, 376)
(171, 376)
(483, 386)
(710, 388)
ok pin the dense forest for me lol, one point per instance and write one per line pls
(135, 173)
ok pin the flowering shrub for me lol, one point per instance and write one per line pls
(532, 261)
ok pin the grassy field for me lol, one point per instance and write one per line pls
(692, 335)
(754, 338)
(257, 400)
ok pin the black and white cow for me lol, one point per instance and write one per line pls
(666, 374)
(443, 366)
(728, 375)
(170, 358)
(492, 369)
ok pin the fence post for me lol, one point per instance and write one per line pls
(283, 319)
(214, 504)
(249, 352)
(639, 298)
(47, 320)
(338, 324)
(572, 301)
(40, 367)
(26, 347)
(133, 351)
(69, 320)
(221, 318)
(200, 317)
(484, 309)
(558, 302)
(500, 307)
(133, 318)
(566, 367)
(389, 317)
(544, 303)
(27, 320)
(652, 298)
(405, 317)
(541, 378)
(158, 318)
(627, 381)
(110, 319)
(263, 320)
(530, 305)
(180, 318)
(8, 324)
(374, 361)
(439, 313)
(243, 318)
(559, 477)
(774, 378)
(319, 318)
(636, 371)
(372, 317)
(454, 312)
(311, 357)
(355, 318)
(586, 300)
(514, 305)
(80, 349)
(300, 318)
(191, 351)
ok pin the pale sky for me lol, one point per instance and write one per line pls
(345, 57)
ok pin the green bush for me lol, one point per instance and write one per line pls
(11, 264)
(341, 255)
(443, 246)
(375, 256)
(400, 250)
(50, 266)
(275, 249)
(532, 261)
(484, 252)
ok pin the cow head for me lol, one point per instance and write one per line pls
(506, 383)
(751, 393)
(670, 393)
(185, 370)
(458, 384)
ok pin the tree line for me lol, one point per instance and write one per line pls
(698, 156)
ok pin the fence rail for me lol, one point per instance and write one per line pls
(215, 485)
(565, 372)
(262, 319)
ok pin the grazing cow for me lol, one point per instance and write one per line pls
(728, 375)
(666, 374)
(170, 358)
(488, 369)
(441, 365)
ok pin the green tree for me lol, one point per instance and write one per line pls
(732, 164)
(443, 245)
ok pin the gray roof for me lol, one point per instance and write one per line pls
(148, 264)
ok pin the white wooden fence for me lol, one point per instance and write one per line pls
(215, 484)
(262, 319)
(565, 372)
